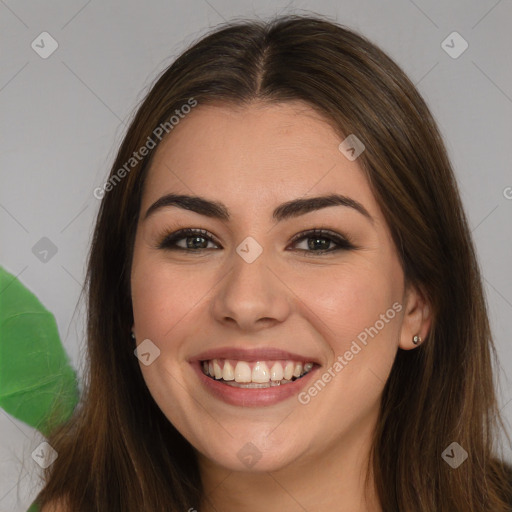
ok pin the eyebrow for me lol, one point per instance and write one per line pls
(284, 211)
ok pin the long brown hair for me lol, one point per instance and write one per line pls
(120, 453)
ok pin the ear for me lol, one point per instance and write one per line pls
(417, 317)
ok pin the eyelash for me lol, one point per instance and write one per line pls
(168, 240)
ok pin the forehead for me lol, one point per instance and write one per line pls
(254, 157)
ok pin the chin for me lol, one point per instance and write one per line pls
(251, 457)
(253, 461)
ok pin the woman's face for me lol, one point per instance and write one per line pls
(257, 304)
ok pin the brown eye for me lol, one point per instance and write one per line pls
(319, 241)
(195, 240)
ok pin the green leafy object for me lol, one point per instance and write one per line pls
(37, 384)
(34, 508)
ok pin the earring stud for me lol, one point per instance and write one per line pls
(416, 339)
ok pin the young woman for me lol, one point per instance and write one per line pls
(285, 307)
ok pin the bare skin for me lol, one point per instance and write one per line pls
(313, 455)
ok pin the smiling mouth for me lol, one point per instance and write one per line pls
(257, 374)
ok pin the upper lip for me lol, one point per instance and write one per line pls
(256, 354)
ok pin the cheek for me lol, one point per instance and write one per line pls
(162, 295)
(163, 298)
(358, 314)
(341, 302)
(358, 311)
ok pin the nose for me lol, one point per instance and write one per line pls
(251, 296)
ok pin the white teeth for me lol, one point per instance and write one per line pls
(217, 369)
(260, 372)
(243, 372)
(288, 371)
(228, 372)
(280, 372)
(276, 372)
(257, 385)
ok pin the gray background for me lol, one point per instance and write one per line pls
(63, 117)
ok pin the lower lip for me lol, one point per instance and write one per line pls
(255, 397)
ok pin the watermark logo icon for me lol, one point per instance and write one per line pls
(351, 147)
(454, 45)
(44, 250)
(249, 454)
(249, 249)
(44, 45)
(146, 352)
(44, 455)
(454, 455)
